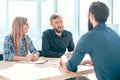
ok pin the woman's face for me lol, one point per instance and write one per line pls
(25, 28)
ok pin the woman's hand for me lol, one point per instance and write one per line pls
(28, 57)
(35, 56)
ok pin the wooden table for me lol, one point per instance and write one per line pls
(50, 70)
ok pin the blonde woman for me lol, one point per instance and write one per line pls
(17, 44)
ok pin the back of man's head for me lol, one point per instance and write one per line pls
(100, 11)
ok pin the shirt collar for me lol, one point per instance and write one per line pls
(100, 25)
(23, 37)
(54, 34)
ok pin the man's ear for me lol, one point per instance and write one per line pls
(92, 17)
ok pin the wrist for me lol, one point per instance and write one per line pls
(25, 58)
(64, 57)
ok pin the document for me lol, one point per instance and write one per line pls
(35, 62)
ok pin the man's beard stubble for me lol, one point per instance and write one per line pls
(59, 31)
(90, 26)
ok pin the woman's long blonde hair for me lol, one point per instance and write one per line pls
(17, 33)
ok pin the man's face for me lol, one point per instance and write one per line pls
(90, 25)
(57, 24)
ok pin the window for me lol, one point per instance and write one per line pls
(84, 7)
(2, 22)
(47, 7)
(26, 9)
(116, 12)
(66, 10)
(38, 12)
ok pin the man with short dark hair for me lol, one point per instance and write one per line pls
(101, 43)
(56, 41)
